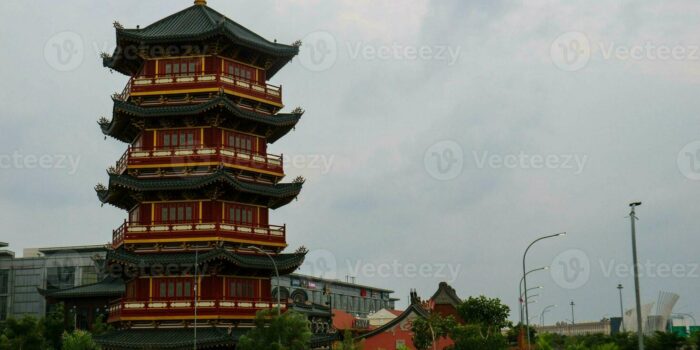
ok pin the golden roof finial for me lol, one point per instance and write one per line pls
(200, 2)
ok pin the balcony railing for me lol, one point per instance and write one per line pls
(180, 83)
(260, 233)
(184, 156)
(125, 308)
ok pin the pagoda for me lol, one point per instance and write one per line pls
(197, 250)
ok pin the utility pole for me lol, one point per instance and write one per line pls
(573, 320)
(640, 330)
(622, 311)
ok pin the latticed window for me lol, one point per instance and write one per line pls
(178, 138)
(176, 212)
(240, 142)
(240, 214)
(241, 289)
(240, 72)
(182, 67)
(175, 288)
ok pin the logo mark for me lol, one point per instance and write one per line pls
(444, 160)
(688, 160)
(318, 51)
(320, 263)
(571, 269)
(570, 51)
(64, 51)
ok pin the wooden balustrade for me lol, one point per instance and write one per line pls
(170, 156)
(188, 230)
(181, 83)
(126, 308)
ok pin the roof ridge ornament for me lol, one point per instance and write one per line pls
(200, 2)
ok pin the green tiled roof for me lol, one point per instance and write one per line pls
(286, 263)
(197, 23)
(121, 128)
(171, 339)
(120, 186)
(109, 287)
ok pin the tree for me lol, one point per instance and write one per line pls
(427, 331)
(348, 342)
(665, 341)
(100, 326)
(23, 334)
(53, 326)
(290, 331)
(79, 340)
(488, 313)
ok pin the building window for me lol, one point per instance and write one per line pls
(89, 275)
(182, 67)
(240, 142)
(240, 72)
(241, 289)
(174, 289)
(181, 138)
(4, 281)
(3, 308)
(240, 214)
(60, 277)
(176, 212)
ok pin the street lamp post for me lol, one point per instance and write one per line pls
(622, 310)
(527, 313)
(544, 311)
(274, 264)
(520, 290)
(640, 333)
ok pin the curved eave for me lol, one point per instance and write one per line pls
(286, 263)
(121, 128)
(122, 187)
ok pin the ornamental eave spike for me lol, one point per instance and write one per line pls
(297, 43)
(117, 25)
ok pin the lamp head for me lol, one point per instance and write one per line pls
(635, 204)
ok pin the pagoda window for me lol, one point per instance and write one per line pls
(240, 71)
(240, 142)
(178, 138)
(134, 215)
(182, 67)
(240, 214)
(239, 288)
(173, 288)
(176, 212)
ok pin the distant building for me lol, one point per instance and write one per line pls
(398, 332)
(356, 299)
(579, 328)
(49, 269)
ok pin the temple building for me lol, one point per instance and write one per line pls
(199, 247)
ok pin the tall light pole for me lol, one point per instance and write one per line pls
(274, 264)
(573, 320)
(527, 313)
(544, 311)
(640, 333)
(622, 310)
(520, 290)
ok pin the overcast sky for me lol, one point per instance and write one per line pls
(439, 139)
